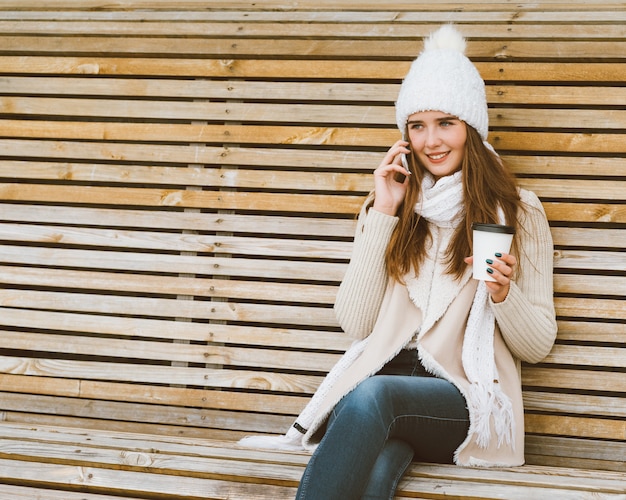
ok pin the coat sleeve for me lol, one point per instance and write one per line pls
(361, 292)
(526, 317)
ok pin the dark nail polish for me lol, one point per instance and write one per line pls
(498, 254)
(489, 270)
(489, 261)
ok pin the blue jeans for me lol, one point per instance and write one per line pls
(400, 414)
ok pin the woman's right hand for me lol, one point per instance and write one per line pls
(389, 193)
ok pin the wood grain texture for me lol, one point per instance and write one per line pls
(178, 190)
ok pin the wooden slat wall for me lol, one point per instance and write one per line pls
(178, 184)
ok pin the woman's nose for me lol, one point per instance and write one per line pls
(432, 138)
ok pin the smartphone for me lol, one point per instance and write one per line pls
(405, 163)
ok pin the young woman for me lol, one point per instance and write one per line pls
(434, 373)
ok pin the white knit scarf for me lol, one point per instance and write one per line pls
(441, 203)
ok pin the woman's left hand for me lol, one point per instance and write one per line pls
(501, 268)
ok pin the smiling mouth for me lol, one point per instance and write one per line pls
(438, 156)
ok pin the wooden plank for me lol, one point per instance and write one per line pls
(587, 356)
(131, 416)
(375, 92)
(205, 177)
(574, 403)
(137, 240)
(285, 159)
(63, 421)
(585, 212)
(521, 476)
(181, 330)
(606, 309)
(588, 237)
(305, 48)
(576, 426)
(155, 461)
(137, 483)
(128, 350)
(333, 114)
(189, 264)
(324, 228)
(168, 285)
(28, 493)
(171, 396)
(283, 202)
(325, 5)
(162, 374)
(292, 28)
(560, 378)
(323, 317)
(572, 189)
(241, 68)
(592, 449)
(499, 12)
(600, 332)
(602, 285)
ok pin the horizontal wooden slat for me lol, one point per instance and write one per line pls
(134, 483)
(306, 48)
(166, 351)
(167, 220)
(585, 454)
(587, 356)
(199, 377)
(600, 332)
(284, 202)
(299, 91)
(553, 12)
(498, 72)
(162, 395)
(576, 426)
(172, 329)
(192, 309)
(188, 26)
(128, 414)
(574, 404)
(168, 285)
(561, 10)
(327, 114)
(311, 249)
(295, 159)
(560, 378)
(168, 263)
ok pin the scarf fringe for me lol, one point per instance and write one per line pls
(485, 403)
(292, 441)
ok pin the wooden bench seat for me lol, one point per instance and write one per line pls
(178, 190)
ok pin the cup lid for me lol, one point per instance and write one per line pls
(493, 228)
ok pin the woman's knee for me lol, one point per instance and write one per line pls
(368, 396)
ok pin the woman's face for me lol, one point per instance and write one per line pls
(438, 140)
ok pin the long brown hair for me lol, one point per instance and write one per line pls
(487, 185)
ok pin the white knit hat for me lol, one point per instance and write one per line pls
(443, 79)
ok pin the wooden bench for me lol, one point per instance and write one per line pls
(178, 186)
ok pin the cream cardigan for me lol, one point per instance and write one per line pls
(390, 315)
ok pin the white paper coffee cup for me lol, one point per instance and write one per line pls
(489, 239)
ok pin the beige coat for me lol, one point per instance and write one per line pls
(434, 312)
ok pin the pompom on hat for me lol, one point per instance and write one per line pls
(443, 79)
